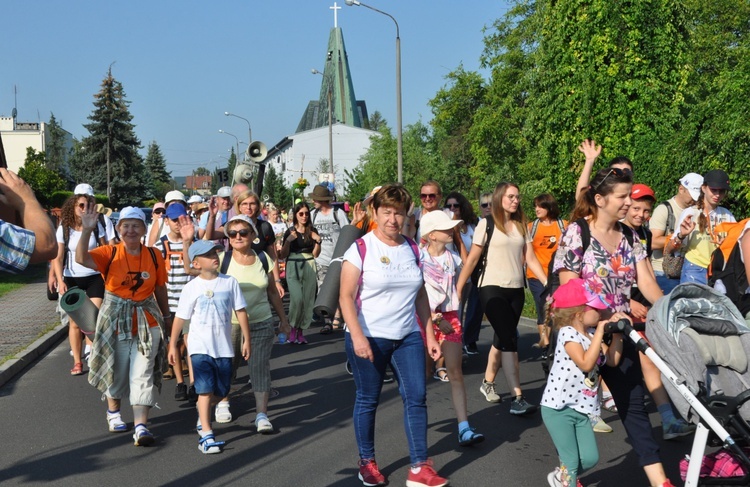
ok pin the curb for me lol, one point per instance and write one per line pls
(26, 357)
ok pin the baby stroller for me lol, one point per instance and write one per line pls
(701, 345)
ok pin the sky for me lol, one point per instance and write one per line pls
(183, 64)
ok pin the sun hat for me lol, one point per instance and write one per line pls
(201, 207)
(132, 213)
(692, 182)
(240, 218)
(176, 211)
(224, 192)
(201, 247)
(641, 191)
(436, 220)
(321, 193)
(100, 208)
(84, 189)
(174, 195)
(716, 178)
(195, 199)
(370, 196)
(576, 293)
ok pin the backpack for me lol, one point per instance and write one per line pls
(535, 225)
(167, 251)
(114, 252)
(266, 237)
(362, 249)
(478, 272)
(228, 258)
(335, 216)
(726, 265)
(671, 263)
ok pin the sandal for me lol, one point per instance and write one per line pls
(337, 325)
(208, 444)
(77, 369)
(441, 378)
(468, 437)
(223, 414)
(169, 374)
(608, 403)
(326, 330)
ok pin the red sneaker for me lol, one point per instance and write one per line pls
(426, 477)
(369, 473)
(668, 483)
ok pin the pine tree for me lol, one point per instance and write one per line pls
(159, 179)
(275, 189)
(113, 135)
(55, 152)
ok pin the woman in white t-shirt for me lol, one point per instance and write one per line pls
(381, 294)
(501, 284)
(68, 273)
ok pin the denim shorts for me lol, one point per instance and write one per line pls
(212, 375)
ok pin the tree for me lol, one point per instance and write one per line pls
(55, 147)
(42, 180)
(112, 135)
(275, 188)
(376, 121)
(160, 180)
(202, 171)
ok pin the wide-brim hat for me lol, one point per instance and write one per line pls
(174, 195)
(100, 208)
(321, 193)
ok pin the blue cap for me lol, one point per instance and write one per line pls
(201, 247)
(175, 211)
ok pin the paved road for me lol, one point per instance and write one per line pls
(54, 430)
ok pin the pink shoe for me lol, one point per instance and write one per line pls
(293, 336)
(301, 338)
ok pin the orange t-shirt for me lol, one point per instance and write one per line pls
(131, 277)
(370, 226)
(545, 242)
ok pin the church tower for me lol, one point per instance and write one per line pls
(337, 79)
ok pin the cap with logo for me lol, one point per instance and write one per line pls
(692, 182)
(640, 191)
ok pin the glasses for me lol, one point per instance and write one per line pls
(303, 213)
(241, 233)
(450, 206)
(158, 212)
(513, 197)
(251, 203)
(616, 171)
(82, 206)
(485, 205)
(427, 196)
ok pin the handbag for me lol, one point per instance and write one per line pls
(672, 264)
(52, 295)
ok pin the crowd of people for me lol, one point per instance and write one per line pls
(200, 290)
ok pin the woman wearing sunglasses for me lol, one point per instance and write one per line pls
(695, 234)
(611, 263)
(430, 195)
(257, 287)
(301, 247)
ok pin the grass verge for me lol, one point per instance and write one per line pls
(11, 282)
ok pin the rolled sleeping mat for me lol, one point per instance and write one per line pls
(328, 295)
(80, 309)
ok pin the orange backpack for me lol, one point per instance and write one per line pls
(726, 263)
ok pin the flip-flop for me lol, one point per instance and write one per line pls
(443, 378)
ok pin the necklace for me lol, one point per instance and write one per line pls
(209, 293)
(143, 274)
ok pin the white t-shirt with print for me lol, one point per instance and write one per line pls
(328, 229)
(208, 304)
(72, 268)
(391, 280)
(565, 386)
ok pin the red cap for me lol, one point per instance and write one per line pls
(641, 191)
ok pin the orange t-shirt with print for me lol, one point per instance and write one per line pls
(545, 242)
(129, 276)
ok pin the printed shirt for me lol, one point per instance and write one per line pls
(329, 232)
(177, 276)
(698, 246)
(607, 275)
(16, 247)
(545, 242)
(565, 385)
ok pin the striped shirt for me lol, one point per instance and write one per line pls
(177, 276)
(16, 247)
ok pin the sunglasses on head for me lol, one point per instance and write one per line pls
(426, 196)
(613, 170)
(450, 206)
(158, 211)
(241, 233)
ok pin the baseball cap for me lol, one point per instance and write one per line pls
(576, 293)
(201, 247)
(241, 218)
(641, 191)
(370, 196)
(436, 220)
(175, 211)
(133, 213)
(224, 192)
(692, 182)
(716, 178)
(84, 189)
(174, 195)
(195, 199)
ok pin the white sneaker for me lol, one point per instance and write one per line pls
(263, 425)
(222, 412)
(553, 478)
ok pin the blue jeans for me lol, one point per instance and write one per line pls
(693, 273)
(540, 299)
(665, 283)
(471, 314)
(407, 359)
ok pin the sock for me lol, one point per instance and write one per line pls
(139, 427)
(463, 425)
(415, 470)
(206, 433)
(112, 413)
(260, 416)
(667, 416)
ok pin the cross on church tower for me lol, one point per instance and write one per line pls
(335, 9)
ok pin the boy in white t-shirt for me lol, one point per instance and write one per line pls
(208, 301)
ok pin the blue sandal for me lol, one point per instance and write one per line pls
(208, 445)
(467, 437)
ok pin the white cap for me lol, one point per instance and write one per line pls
(436, 220)
(224, 192)
(692, 183)
(241, 218)
(131, 212)
(195, 199)
(174, 196)
(84, 189)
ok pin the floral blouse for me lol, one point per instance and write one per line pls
(611, 276)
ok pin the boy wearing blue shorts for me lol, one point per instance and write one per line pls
(208, 301)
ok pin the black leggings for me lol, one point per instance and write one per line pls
(503, 307)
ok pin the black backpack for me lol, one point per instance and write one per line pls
(228, 259)
(66, 237)
(733, 275)
(478, 272)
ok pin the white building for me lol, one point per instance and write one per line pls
(18, 136)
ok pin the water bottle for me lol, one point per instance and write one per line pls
(282, 338)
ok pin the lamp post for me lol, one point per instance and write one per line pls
(235, 138)
(330, 121)
(249, 128)
(399, 138)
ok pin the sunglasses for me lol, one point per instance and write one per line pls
(241, 233)
(82, 206)
(616, 171)
(158, 212)
(485, 205)
(427, 196)
(450, 206)
(303, 213)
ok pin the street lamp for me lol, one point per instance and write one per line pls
(330, 121)
(235, 138)
(249, 129)
(399, 138)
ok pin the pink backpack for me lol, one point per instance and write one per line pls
(362, 249)
(721, 464)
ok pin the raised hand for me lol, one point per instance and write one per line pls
(590, 149)
(187, 229)
(89, 217)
